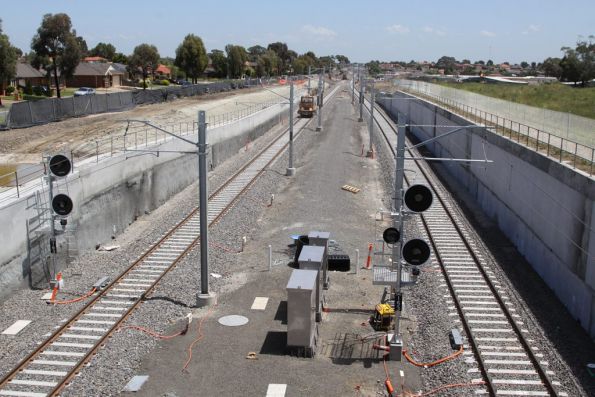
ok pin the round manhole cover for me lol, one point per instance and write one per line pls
(233, 321)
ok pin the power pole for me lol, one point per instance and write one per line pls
(361, 100)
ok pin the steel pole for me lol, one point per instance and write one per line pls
(372, 103)
(320, 99)
(290, 168)
(352, 86)
(361, 100)
(398, 223)
(309, 67)
(202, 147)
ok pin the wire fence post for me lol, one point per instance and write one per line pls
(16, 181)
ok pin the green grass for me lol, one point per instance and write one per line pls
(64, 92)
(559, 97)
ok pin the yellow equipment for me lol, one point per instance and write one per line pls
(383, 317)
(307, 106)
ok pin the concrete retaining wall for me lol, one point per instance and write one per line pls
(545, 208)
(566, 125)
(109, 195)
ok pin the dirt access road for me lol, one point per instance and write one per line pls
(26, 145)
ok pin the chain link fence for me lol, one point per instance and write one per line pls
(29, 113)
(20, 180)
(565, 126)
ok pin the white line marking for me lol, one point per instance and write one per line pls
(260, 303)
(16, 327)
(276, 390)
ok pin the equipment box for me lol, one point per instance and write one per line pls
(311, 258)
(301, 310)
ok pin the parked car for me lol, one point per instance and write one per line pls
(84, 91)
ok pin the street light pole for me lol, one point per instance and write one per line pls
(290, 168)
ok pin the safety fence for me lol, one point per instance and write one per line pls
(29, 113)
(564, 150)
(562, 124)
(20, 180)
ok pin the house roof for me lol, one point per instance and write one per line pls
(94, 59)
(95, 69)
(26, 71)
(162, 69)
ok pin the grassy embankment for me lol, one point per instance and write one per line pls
(559, 97)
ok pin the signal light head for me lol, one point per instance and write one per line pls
(62, 204)
(416, 252)
(391, 235)
(60, 165)
(418, 198)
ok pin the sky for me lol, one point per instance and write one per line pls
(502, 30)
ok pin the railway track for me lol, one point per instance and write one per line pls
(507, 359)
(54, 363)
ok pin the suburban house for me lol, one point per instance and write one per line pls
(96, 75)
(164, 71)
(26, 73)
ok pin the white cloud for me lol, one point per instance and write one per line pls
(397, 29)
(531, 29)
(319, 31)
(431, 30)
(487, 33)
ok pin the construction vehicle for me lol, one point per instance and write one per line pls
(307, 106)
(383, 317)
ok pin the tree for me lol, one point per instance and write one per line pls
(236, 59)
(57, 45)
(282, 53)
(585, 52)
(219, 62)
(269, 62)
(256, 52)
(342, 59)
(570, 64)
(447, 63)
(104, 50)
(146, 58)
(191, 57)
(374, 68)
(524, 64)
(120, 58)
(490, 62)
(8, 60)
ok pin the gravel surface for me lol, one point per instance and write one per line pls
(425, 306)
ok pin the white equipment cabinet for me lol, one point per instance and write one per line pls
(302, 331)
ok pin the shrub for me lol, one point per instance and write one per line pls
(9, 90)
(164, 82)
(28, 88)
(28, 97)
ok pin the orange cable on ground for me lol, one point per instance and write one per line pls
(427, 365)
(200, 335)
(443, 387)
(387, 382)
(153, 333)
(80, 298)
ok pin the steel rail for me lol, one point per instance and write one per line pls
(101, 342)
(545, 379)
